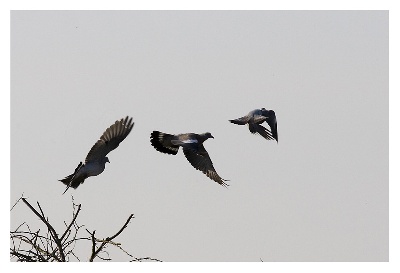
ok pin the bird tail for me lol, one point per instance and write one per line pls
(162, 143)
(70, 181)
(238, 121)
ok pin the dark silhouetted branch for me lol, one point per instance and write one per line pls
(105, 241)
(36, 246)
(72, 222)
(50, 227)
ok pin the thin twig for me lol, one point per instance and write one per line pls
(72, 222)
(145, 258)
(17, 202)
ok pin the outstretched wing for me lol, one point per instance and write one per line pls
(110, 139)
(264, 132)
(202, 162)
(274, 127)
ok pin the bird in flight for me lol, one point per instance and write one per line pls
(96, 159)
(254, 119)
(193, 149)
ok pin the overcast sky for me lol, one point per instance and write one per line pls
(321, 194)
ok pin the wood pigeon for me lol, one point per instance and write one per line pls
(254, 119)
(96, 159)
(193, 149)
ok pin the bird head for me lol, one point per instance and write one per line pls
(264, 112)
(208, 135)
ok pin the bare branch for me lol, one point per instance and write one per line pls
(145, 259)
(52, 231)
(22, 257)
(123, 227)
(93, 246)
(42, 246)
(72, 222)
(17, 202)
(107, 240)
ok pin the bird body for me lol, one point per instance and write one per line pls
(96, 159)
(93, 168)
(193, 149)
(255, 118)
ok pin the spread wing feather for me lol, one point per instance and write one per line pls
(110, 139)
(201, 161)
(274, 128)
(264, 132)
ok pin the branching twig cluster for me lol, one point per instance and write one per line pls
(104, 242)
(48, 246)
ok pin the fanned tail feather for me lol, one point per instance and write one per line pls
(158, 138)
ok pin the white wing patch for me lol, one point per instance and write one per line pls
(190, 141)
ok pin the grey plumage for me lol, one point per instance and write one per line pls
(96, 159)
(254, 119)
(193, 149)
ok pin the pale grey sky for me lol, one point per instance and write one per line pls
(321, 194)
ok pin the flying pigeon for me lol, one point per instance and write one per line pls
(96, 159)
(254, 119)
(192, 145)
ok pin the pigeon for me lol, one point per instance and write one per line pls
(96, 159)
(193, 149)
(254, 119)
